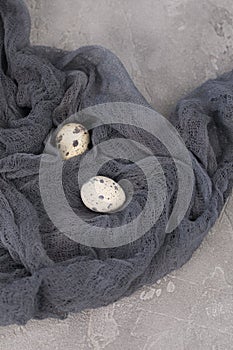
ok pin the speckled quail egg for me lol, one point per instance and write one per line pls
(72, 140)
(102, 194)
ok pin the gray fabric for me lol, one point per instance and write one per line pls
(42, 272)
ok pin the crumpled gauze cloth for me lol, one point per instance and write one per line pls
(44, 273)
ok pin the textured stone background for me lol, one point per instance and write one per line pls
(169, 47)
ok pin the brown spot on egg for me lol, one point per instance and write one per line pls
(76, 130)
(75, 143)
(59, 138)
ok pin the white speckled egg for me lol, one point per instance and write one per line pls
(72, 140)
(102, 194)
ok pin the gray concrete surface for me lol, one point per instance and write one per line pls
(169, 47)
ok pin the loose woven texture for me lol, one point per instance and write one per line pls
(43, 273)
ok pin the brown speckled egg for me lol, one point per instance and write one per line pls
(102, 194)
(72, 140)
